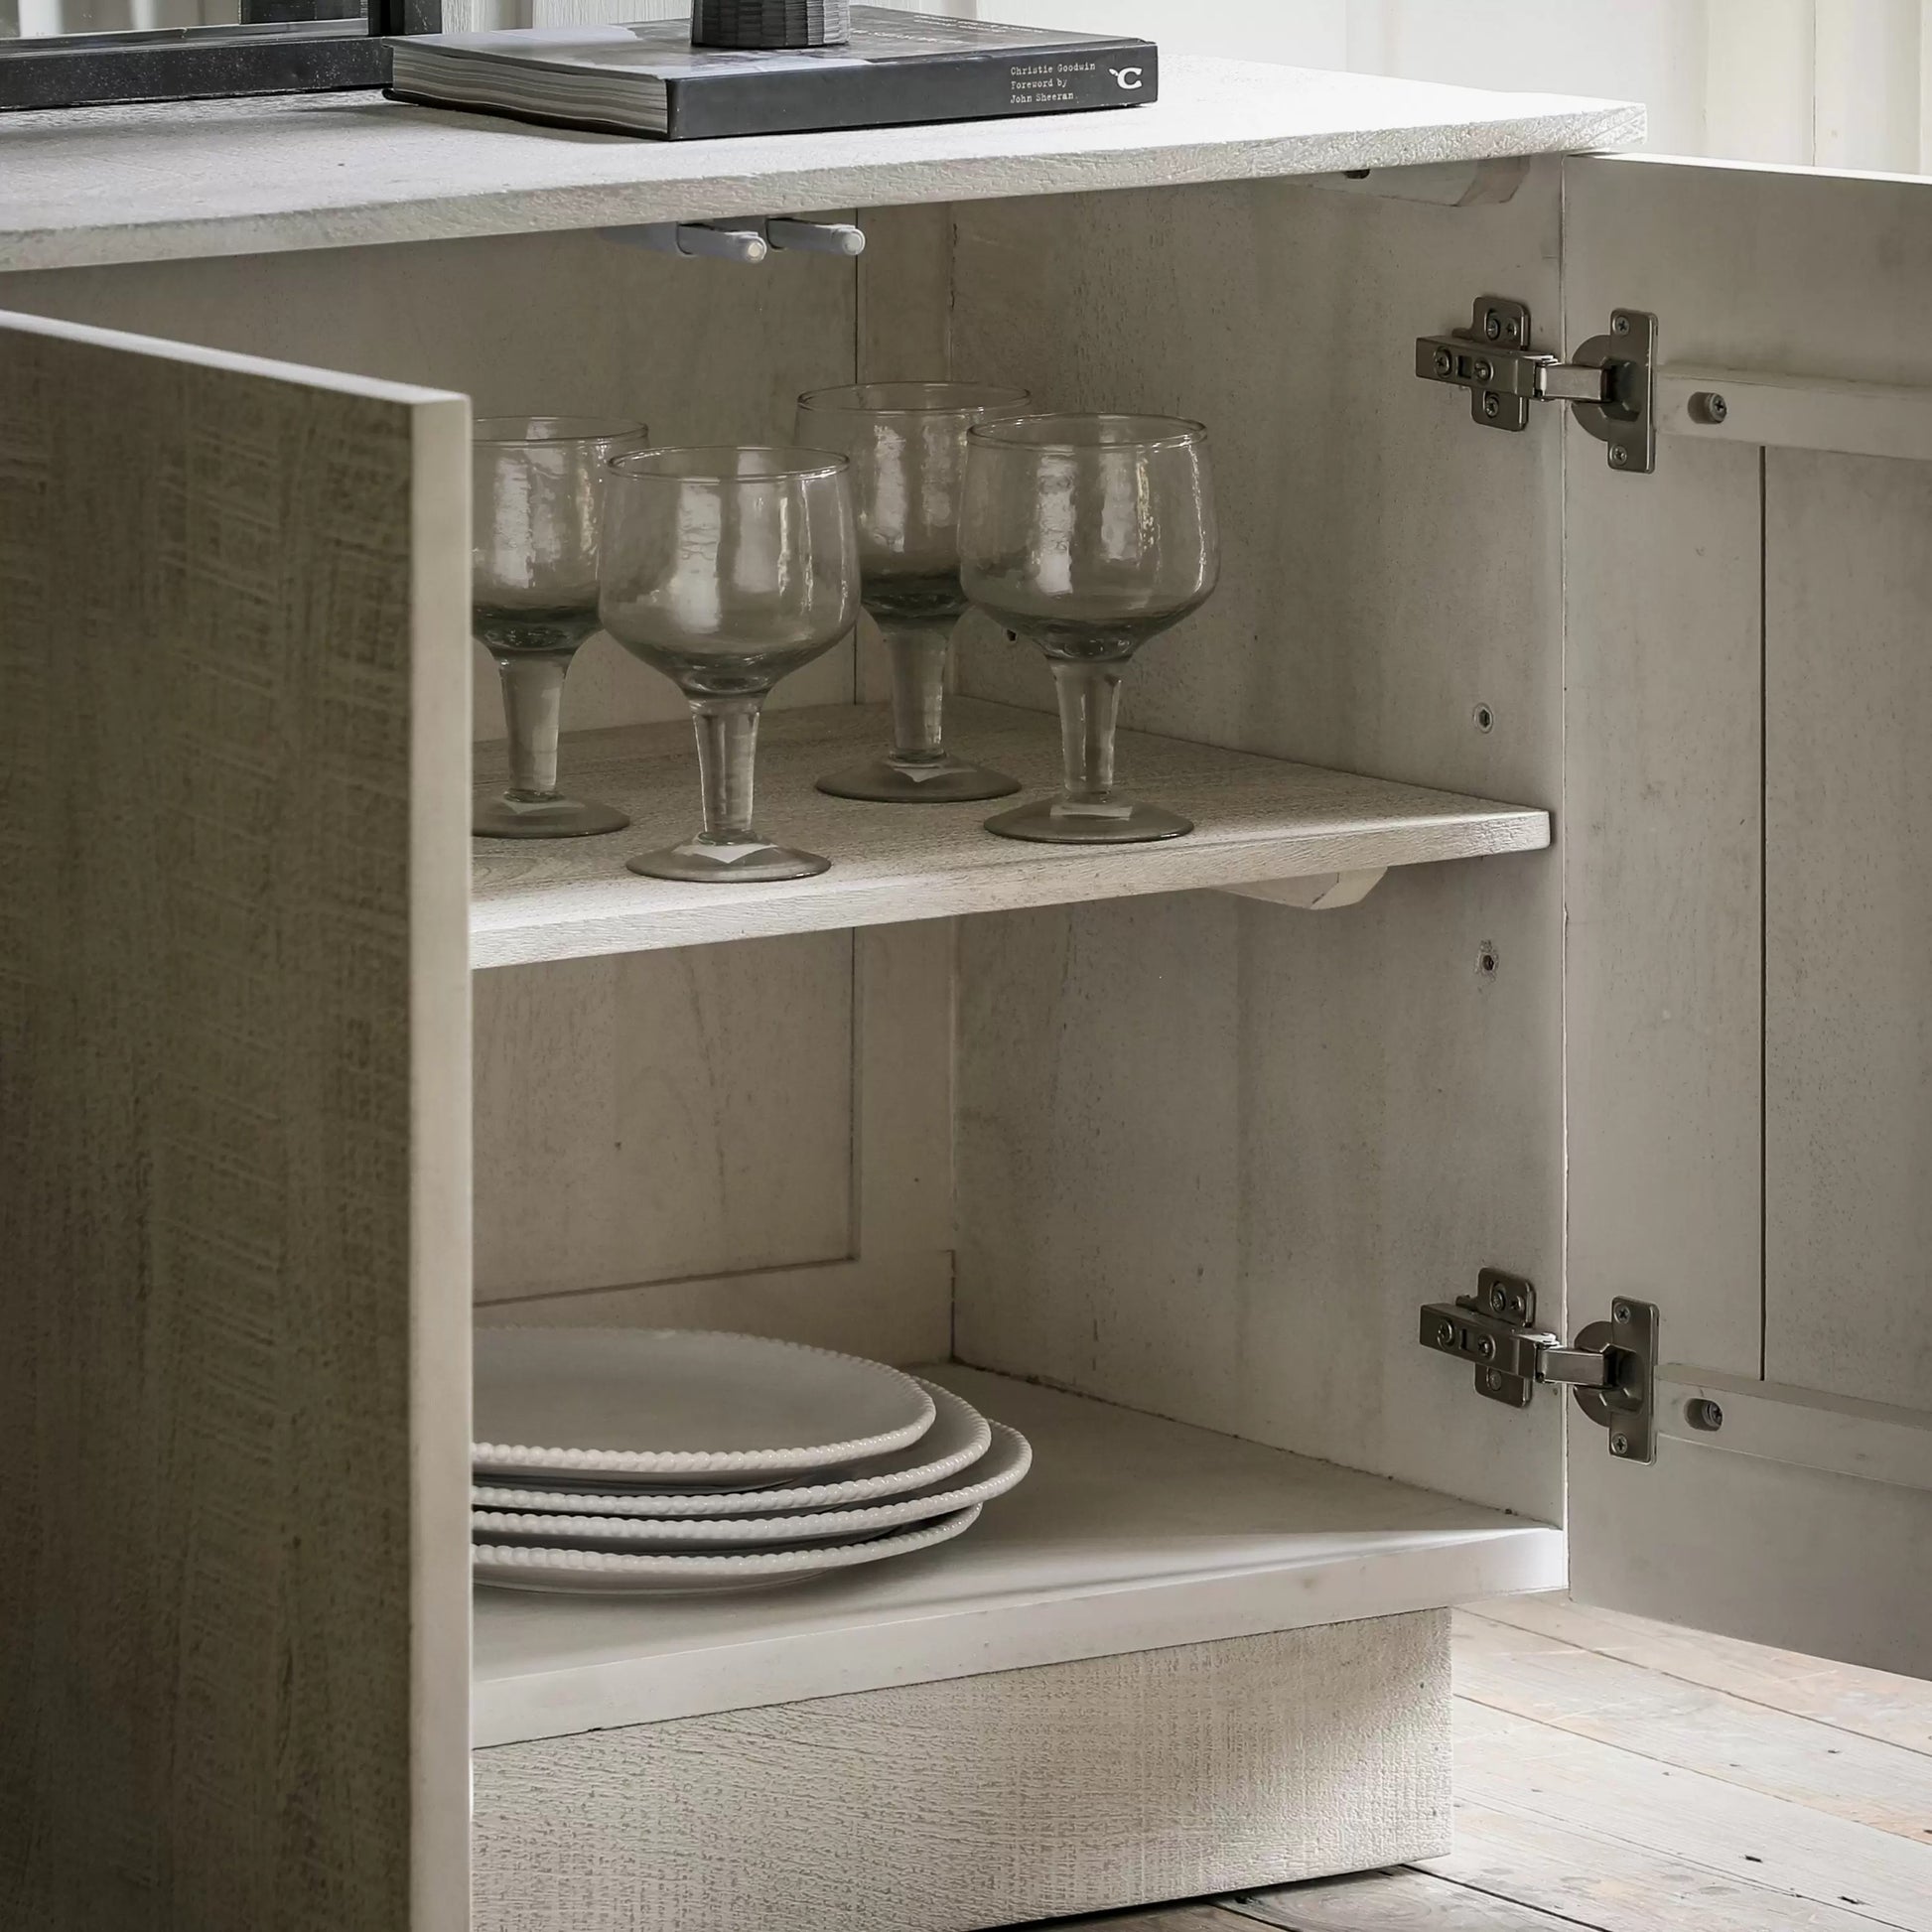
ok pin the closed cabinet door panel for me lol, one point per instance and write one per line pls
(233, 1124)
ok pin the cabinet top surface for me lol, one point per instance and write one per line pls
(168, 181)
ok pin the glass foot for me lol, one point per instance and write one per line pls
(949, 781)
(512, 817)
(704, 863)
(1048, 822)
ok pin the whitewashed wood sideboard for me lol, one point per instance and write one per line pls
(1158, 1151)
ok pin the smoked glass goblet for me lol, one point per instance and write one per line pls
(906, 442)
(536, 482)
(724, 569)
(1089, 535)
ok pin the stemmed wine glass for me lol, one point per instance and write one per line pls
(906, 442)
(534, 574)
(724, 569)
(1089, 535)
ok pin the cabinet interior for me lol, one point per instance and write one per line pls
(1163, 1162)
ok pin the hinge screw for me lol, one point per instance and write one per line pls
(1445, 1334)
(1491, 407)
(1620, 457)
(1492, 326)
(1622, 1312)
(1619, 1446)
(1445, 361)
(1619, 325)
(1485, 1347)
(1483, 372)
(1492, 1378)
(1498, 1297)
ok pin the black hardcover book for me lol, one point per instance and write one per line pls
(898, 67)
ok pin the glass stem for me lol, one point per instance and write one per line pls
(917, 654)
(533, 700)
(1089, 707)
(728, 743)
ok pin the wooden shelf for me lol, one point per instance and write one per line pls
(1256, 818)
(1130, 1534)
(163, 181)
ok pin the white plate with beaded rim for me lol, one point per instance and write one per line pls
(599, 1572)
(957, 1440)
(681, 1405)
(999, 1470)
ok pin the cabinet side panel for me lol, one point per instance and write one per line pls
(208, 1227)
(984, 1801)
(1213, 1154)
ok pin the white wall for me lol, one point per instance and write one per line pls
(1839, 82)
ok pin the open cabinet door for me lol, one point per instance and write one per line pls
(1748, 860)
(234, 1136)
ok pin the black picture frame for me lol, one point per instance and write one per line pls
(294, 53)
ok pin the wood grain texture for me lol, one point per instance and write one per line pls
(896, 1309)
(1256, 818)
(233, 1246)
(1667, 725)
(982, 1801)
(700, 350)
(1593, 1875)
(1212, 1154)
(756, 1138)
(1390, 1902)
(233, 178)
(1739, 1836)
(1848, 925)
(1867, 1703)
(1884, 1785)
(649, 1117)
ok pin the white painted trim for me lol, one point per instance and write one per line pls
(1805, 1428)
(1788, 412)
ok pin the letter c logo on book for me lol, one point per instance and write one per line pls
(1127, 77)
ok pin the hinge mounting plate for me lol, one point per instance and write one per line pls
(1610, 1367)
(1608, 383)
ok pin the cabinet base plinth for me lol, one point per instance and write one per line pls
(984, 1801)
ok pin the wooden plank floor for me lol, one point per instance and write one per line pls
(1617, 1775)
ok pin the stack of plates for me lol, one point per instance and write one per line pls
(771, 23)
(675, 1460)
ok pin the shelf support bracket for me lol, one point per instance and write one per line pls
(748, 239)
(1321, 892)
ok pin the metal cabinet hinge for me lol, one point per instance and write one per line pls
(1606, 384)
(1610, 1367)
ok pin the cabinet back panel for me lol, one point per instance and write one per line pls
(1212, 1155)
(651, 1116)
(705, 351)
